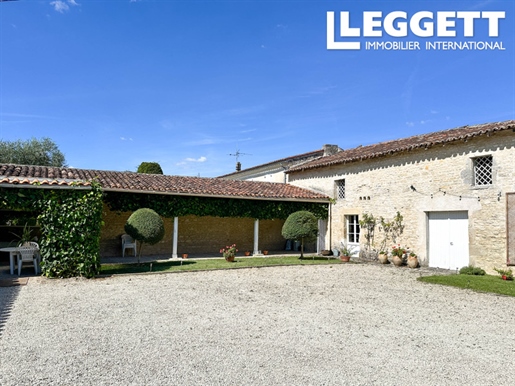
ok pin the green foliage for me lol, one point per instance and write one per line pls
(301, 226)
(485, 283)
(212, 264)
(146, 226)
(177, 206)
(43, 152)
(70, 224)
(508, 273)
(70, 221)
(150, 168)
(471, 270)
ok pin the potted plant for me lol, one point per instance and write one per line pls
(184, 255)
(345, 252)
(247, 253)
(412, 260)
(229, 252)
(398, 255)
(506, 274)
(383, 257)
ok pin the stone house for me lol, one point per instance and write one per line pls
(183, 233)
(454, 189)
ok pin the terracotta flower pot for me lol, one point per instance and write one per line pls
(265, 252)
(412, 261)
(247, 253)
(230, 259)
(383, 258)
(184, 255)
(397, 260)
(344, 258)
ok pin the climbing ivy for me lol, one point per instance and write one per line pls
(176, 206)
(70, 221)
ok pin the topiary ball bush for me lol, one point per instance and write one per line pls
(300, 225)
(146, 226)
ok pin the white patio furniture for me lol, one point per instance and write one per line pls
(128, 243)
(28, 253)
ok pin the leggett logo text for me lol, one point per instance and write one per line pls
(449, 27)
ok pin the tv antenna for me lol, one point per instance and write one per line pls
(237, 155)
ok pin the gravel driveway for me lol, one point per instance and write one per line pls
(347, 324)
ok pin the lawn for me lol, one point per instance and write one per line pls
(486, 283)
(210, 264)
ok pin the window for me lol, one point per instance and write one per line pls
(340, 189)
(483, 171)
(352, 229)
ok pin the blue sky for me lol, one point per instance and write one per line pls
(186, 83)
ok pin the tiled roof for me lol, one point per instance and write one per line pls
(316, 153)
(153, 183)
(422, 141)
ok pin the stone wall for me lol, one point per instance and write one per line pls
(196, 235)
(442, 178)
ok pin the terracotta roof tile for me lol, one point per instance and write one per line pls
(154, 183)
(405, 144)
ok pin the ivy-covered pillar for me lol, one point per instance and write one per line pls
(175, 236)
(256, 237)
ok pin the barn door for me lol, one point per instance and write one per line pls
(448, 240)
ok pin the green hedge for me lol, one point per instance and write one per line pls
(70, 221)
(177, 206)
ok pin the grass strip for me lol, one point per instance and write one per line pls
(486, 283)
(211, 264)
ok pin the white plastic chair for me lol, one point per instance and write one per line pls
(28, 253)
(128, 243)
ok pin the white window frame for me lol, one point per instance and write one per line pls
(352, 229)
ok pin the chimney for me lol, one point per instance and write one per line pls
(238, 166)
(330, 149)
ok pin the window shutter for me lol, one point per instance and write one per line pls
(510, 228)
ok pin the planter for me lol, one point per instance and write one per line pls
(184, 255)
(505, 277)
(247, 253)
(336, 252)
(412, 262)
(265, 252)
(345, 258)
(397, 261)
(383, 258)
(230, 259)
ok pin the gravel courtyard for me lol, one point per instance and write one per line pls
(346, 324)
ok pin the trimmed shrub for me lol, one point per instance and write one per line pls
(301, 226)
(145, 226)
(471, 270)
(150, 168)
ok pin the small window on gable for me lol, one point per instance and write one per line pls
(483, 171)
(340, 189)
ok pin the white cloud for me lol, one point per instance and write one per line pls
(434, 112)
(125, 139)
(62, 5)
(201, 159)
(410, 124)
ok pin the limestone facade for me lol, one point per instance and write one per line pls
(420, 182)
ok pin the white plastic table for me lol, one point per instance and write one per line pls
(13, 252)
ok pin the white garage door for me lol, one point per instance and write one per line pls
(448, 239)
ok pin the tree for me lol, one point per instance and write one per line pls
(150, 168)
(301, 226)
(145, 226)
(41, 152)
